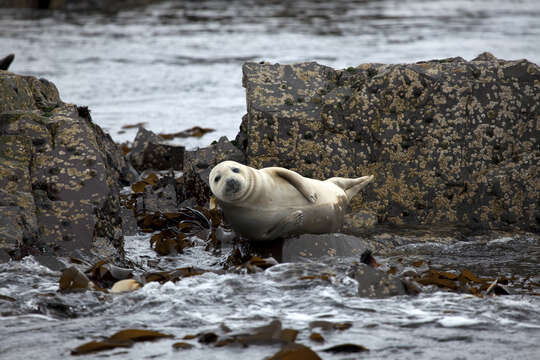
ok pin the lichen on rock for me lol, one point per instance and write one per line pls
(449, 141)
(59, 174)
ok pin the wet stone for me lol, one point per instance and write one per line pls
(66, 197)
(311, 246)
(328, 325)
(150, 152)
(123, 338)
(295, 352)
(373, 283)
(73, 279)
(129, 222)
(182, 346)
(315, 336)
(346, 348)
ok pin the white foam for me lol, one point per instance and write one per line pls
(457, 321)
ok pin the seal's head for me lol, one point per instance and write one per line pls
(229, 181)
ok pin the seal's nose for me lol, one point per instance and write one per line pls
(232, 186)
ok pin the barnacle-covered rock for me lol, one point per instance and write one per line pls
(59, 174)
(150, 152)
(449, 141)
(374, 283)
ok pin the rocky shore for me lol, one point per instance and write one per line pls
(453, 145)
(454, 209)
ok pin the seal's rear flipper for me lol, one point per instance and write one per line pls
(285, 226)
(352, 186)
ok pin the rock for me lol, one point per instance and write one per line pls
(362, 219)
(313, 247)
(5, 62)
(59, 174)
(162, 197)
(105, 5)
(129, 222)
(149, 152)
(101, 5)
(295, 352)
(4, 256)
(199, 163)
(373, 283)
(270, 334)
(319, 246)
(73, 279)
(50, 261)
(449, 141)
(346, 348)
(35, 4)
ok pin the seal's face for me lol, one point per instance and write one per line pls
(228, 181)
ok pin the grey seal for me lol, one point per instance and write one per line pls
(275, 202)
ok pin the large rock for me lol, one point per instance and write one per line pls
(449, 141)
(59, 174)
(150, 152)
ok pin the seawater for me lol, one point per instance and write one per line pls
(433, 325)
(174, 65)
(177, 64)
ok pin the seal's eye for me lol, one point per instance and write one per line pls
(216, 179)
(236, 170)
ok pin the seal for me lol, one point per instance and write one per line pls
(275, 202)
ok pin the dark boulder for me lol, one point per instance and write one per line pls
(150, 152)
(33, 4)
(59, 174)
(449, 141)
(78, 5)
(162, 197)
(6, 62)
(199, 163)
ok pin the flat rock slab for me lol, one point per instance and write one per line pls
(313, 247)
(150, 152)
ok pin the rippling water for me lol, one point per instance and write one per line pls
(174, 65)
(177, 64)
(434, 325)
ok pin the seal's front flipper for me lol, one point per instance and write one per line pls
(285, 226)
(299, 182)
(352, 186)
